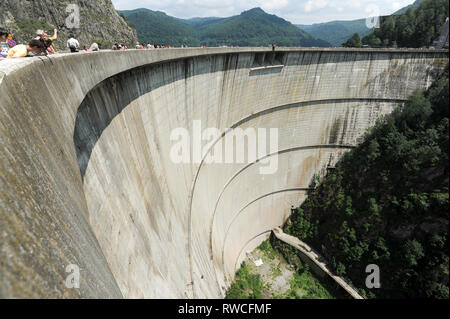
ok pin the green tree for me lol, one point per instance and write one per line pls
(415, 28)
(387, 202)
(353, 42)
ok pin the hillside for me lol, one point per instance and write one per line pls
(386, 203)
(98, 21)
(336, 32)
(158, 27)
(200, 22)
(251, 28)
(417, 27)
(256, 28)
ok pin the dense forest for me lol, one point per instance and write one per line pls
(251, 28)
(158, 27)
(417, 27)
(386, 203)
(256, 28)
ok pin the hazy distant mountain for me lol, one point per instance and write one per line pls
(336, 32)
(251, 28)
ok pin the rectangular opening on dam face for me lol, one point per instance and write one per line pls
(266, 59)
(259, 59)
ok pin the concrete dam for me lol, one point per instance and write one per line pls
(87, 179)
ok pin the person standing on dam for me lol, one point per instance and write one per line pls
(73, 44)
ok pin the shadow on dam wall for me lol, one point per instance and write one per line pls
(86, 177)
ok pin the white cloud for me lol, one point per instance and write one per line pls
(354, 4)
(396, 5)
(312, 5)
(273, 4)
(296, 11)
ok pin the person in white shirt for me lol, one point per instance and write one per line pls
(94, 47)
(73, 44)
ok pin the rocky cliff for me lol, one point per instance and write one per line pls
(98, 20)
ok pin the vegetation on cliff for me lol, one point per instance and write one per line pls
(386, 203)
(98, 21)
(417, 27)
(279, 278)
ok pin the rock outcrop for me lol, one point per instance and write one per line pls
(98, 21)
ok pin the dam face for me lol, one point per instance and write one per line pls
(87, 178)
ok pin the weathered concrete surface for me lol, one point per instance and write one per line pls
(316, 259)
(86, 176)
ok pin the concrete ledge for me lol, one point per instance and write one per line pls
(267, 67)
(317, 259)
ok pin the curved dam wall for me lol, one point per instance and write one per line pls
(87, 177)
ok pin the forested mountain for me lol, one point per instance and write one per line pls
(251, 28)
(337, 32)
(417, 27)
(387, 202)
(158, 27)
(256, 28)
(201, 22)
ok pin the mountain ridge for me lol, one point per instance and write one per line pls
(253, 27)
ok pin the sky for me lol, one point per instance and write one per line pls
(295, 11)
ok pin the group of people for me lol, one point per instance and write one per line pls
(74, 46)
(36, 47)
(150, 46)
(41, 45)
(140, 46)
